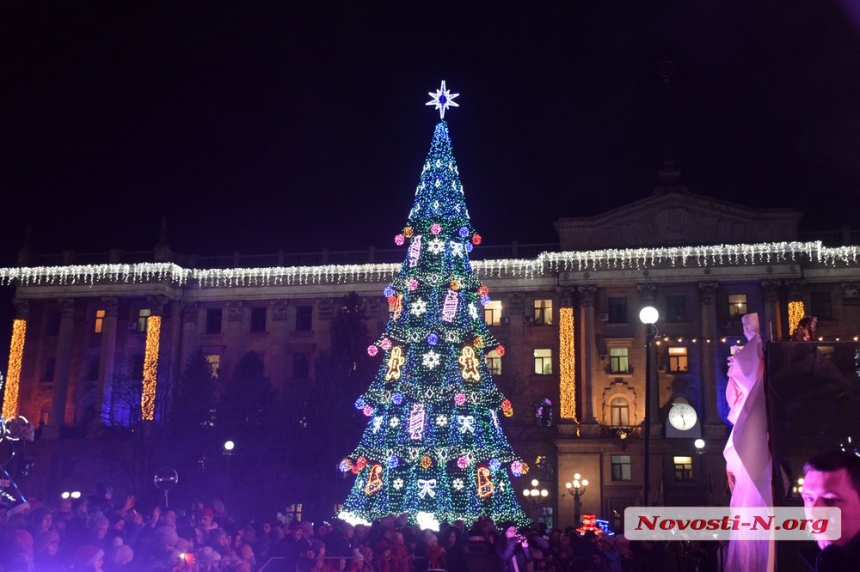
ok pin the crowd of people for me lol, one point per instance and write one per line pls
(95, 534)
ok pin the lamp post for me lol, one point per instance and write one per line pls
(648, 315)
(577, 489)
(700, 448)
(534, 494)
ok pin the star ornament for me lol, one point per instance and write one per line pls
(442, 99)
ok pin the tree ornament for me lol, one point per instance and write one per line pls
(397, 484)
(372, 350)
(377, 423)
(478, 342)
(432, 339)
(407, 231)
(416, 421)
(430, 360)
(466, 423)
(413, 284)
(398, 307)
(399, 240)
(507, 408)
(443, 99)
(469, 247)
(426, 462)
(495, 465)
(459, 399)
(426, 486)
(463, 462)
(394, 422)
(456, 249)
(464, 231)
(458, 484)
(388, 293)
(392, 300)
(361, 462)
(483, 290)
(469, 365)
(436, 246)
(395, 362)
(368, 410)
(455, 285)
(500, 349)
(360, 403)
(414, 251)
(476, 239)
(485, 485)
(397, 398)
(485, 300)
(517, 468)
(374, 480)
(393, 462)
(449, 307)
(436, 228)
(385, 344)
(344, 466)
(441, 420)
(419, 306)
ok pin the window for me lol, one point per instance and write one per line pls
(619, 361)
(304, 316)
(676, 308)
(820, 305)
(52, 326)
(213, 321)
(621, 468)
(258, 319)
(683, 468)
(617, 310)
(619, 411)
(543, 362)
(48, 369)
(99, 322)
(678, 360)
(494, 362)
(493, 313)
(543, 312)
(142, 317)
(300, 366)
(93, 368)
(737, 306)
(214, 361)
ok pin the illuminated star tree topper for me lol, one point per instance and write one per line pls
(442, 99)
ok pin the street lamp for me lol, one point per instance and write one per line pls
(648, 315)
(700, 448)
(534, 495)
(577, 489)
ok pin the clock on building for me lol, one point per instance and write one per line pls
(683, 420)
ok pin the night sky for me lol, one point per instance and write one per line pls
(259, 126)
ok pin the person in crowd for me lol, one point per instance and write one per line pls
(805, 329)
(832, 479)
(512, 549)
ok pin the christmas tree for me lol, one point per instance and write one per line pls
(434, 447)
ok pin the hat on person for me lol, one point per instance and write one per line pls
(87, 555)
(505, 525)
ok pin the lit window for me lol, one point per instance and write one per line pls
(619, 360)
(543, 362)
(493, 313)
(494, 362)
(142, 317)
(258, 319)
(99, 323)
(543, 413)
(737, 306)
(214, 361)
(683, 468)
(619, 411)
(617, 310)
(543, 312)
(678, 359)
(621, 468)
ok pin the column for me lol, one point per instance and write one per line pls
(154, 385)
(61, 373)
(771, 323)
(710, 365)
(107, 359)
(566, 355)
(11, 394)
(234, 338)
(585, 330)
(278, 371)
(189, 313)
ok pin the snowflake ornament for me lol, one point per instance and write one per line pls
(431, 360)
(397, 484)
(436, 246)
(458, 484)
(419, 306)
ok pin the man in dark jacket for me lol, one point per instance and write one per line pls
(512, 549)
(833, 480)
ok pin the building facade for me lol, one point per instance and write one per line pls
(104, 344)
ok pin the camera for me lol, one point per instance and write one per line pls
(519, 538)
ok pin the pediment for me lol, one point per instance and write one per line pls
(673, 216)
